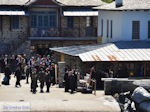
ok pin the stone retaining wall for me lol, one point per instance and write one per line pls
(116, 85)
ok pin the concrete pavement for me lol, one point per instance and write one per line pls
(56, 100)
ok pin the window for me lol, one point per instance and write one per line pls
(135, 30)
(33, 21)
(52, 22)
(14, 22)
(40, 21)
(111, 26)
(102, 27)
(107, 28)
(89, 21)
(148, 29)
(43, 19)
(70, 22)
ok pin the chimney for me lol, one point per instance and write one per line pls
(119, 3)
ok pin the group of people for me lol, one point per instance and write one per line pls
(13, 65)
(41, 71)
(39, 68)
(71, 77)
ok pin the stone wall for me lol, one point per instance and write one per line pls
(118, 85)
(72, 61)
(14, 37)
(79, 29)
(7, 34)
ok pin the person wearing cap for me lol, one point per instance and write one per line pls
(7, 73)
(6, 59)
(28, 72)
(41, 77)
(34, 81)
(48, 79)
(71, 81)
(52, 71)
(66, 79)
(18, 76)
(13, 64)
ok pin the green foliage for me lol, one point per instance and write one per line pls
(107, 1)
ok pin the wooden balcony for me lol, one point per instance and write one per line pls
(63, 32)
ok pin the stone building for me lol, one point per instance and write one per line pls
(57, 23)
(13, 24)
(40, 24)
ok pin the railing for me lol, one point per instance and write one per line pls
(44, 32)
(63, 32)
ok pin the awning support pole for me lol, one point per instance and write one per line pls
(62, 57)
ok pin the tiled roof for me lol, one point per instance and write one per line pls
(80, 2)
(61, 2)
(127, 5)
(16, 2)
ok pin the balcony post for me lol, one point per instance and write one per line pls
(79, 27)
(59, 21)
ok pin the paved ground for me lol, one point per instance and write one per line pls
(56, 100)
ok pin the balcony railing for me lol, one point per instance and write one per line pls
(44, 32)
(63, 32)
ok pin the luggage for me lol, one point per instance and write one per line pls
(5, 81)
(87, 91)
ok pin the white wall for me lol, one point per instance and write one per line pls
(116, 19)
(122, 24)
(128, 17)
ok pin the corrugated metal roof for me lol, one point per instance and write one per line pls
(117, 51)
(80, 13)
(75, 50)
(13, 13)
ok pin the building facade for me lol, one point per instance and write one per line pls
(127, 22)
(124, 31)
(48, 23)
(13, 27)
(58, 24)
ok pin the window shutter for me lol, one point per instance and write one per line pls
(14, 22)
(107, 28)
(135, 30)
(111, 29)
(148, 29)
(102, 27)
(70, 22)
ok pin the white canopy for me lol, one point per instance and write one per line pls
(12, 13)
(80, 13)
